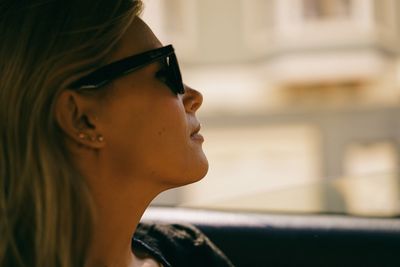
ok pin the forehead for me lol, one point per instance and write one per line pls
(138, 38)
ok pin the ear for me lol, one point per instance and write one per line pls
(74, 114)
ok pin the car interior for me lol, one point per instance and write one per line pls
(258, 239)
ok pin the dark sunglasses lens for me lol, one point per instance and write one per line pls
(175, 78)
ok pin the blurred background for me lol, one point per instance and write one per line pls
(301, 102)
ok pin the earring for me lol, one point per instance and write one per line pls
(81, 135)
(100, 138)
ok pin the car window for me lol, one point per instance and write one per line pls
(301, 102)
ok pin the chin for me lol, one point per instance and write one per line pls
(202, 169)
(200, 174)
(190, 176)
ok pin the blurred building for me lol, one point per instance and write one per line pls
(297, 92)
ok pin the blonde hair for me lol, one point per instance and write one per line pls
(45, 205)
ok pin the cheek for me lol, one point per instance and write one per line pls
(148, 140)
(163, 140)
(154, 143)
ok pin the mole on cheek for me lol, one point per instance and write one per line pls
(161, 132)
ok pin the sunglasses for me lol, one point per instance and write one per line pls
(170, 72)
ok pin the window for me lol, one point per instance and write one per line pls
(263, 14)
(383, 13)
(326, 9)
(259, 20)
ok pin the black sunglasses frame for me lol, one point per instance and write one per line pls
(114, 70)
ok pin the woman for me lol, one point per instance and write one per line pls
(95, 122)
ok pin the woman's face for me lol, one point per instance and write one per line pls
(149, 132)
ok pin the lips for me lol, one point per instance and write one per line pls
(196, 130)
(195, 136)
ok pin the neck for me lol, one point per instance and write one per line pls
(119, 203)
(115, 224)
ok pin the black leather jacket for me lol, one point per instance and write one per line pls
(177, 245)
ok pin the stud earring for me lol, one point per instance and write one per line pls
(81, 135)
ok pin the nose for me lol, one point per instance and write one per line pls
(192, 99)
